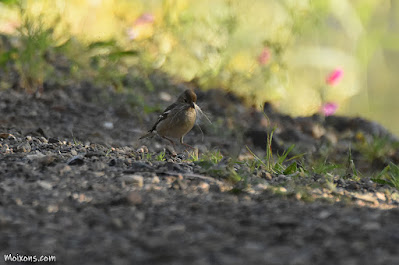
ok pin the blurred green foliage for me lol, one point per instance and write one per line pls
(265, 50)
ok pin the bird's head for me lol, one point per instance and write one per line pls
(189, 97)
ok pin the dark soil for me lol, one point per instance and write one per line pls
(76, 183)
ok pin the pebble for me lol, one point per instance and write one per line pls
(76, 161)
(52, 140)
(266, 175)
(35, 156)
(108, 125)
(24, 147)
(134, 198)
(142, 149)
(366, 197)
(64, 169)
(324, 214)
(371, 226)
(136, 180)
(282, 189)
(380, 196)
(203, 186)
(4, 135)
(155, 180)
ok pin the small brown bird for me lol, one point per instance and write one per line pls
(177, 119)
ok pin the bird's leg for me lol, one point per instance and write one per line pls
(181, 141)
(170, 140)
(173, 151)
(194, 153)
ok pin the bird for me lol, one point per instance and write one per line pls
(177, 119)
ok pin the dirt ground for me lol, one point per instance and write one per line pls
(75, 183)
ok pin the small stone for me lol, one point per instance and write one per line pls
(318, 131)
(174, 229)
(324, 214)
(99, 173)
(53, 140)
(73, 152)
(134, 198)
(65, 169)
(135, 180)
(260, 187)
(215, 188)
(29, 138)
(108, 125)
(380, 196)
(5, 149)
(267, 175)
(371, 226)
(282, 189)
(353, 186)
(76, 161)
(35, 156)
(24, 147)
(117, 222)
(204, 187)
(4, 135)
(52, 208)
(45, 184)
(155, 180)
(142, 149)
(18, 201)
(282, 178)
(331, 137)
(140, 166)
(366, 198)
(43, 160)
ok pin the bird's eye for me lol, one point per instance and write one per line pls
(185, 100)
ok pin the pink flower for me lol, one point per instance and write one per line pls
(140, 25)
(132, 34)
(145, 18)
(335, 77)
(264, 57)
(329, 108)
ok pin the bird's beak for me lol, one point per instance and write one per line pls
(193, 105)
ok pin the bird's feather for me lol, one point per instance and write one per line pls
(163, 116)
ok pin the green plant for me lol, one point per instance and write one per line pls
(351, 170)
(108, 152)
(35, 41)
(214, 156)
(269, 153)
(75, 141)
(389, 175)
(376, 148)
(160, 156)
(148, 156)
(324, 167)
(268, 163)
(210, 157)
(107, 60)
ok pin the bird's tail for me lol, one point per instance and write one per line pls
(149, 134)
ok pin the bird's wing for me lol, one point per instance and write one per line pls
(163, 116)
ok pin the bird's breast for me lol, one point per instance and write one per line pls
(178, 123)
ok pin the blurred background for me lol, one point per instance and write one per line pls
(308, 56)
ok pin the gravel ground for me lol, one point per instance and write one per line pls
(76, 184)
